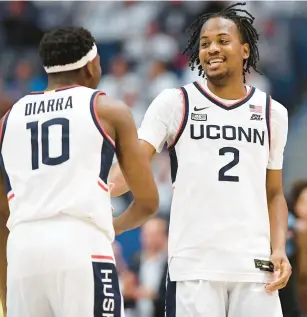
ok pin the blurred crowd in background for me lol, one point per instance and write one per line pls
(141, 45)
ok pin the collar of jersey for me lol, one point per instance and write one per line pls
(54, 90)
(219, 103)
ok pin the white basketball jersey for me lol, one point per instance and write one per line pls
(219, 226)
(55, 158)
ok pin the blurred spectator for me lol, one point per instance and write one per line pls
(288, 295)
(160, 78)
(118, 78)
(122, 84)
(173, 21)
(53, 14)
(21, 82)
(20, 25)
(150, 267)
(299, 205)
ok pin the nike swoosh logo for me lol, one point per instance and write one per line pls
(198, 109)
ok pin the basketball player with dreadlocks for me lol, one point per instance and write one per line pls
(56, 151)
(228, 219)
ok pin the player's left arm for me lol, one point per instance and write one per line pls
(277, 206)
(4, 213)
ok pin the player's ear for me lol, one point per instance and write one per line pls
(89, 69)
(245, 51)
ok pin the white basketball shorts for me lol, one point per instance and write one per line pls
(220, 299)
(61, 267)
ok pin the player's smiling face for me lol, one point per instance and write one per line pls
(221, 51)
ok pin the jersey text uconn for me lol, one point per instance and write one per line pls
(227, 132)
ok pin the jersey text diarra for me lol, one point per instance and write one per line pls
(51, 105)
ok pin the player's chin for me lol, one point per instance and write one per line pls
(217, 75)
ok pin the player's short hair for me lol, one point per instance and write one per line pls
(245, 26)
(65, 46)
(297, 188)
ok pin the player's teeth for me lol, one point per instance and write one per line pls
(215, 61)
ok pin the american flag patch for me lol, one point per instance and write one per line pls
(257, 109)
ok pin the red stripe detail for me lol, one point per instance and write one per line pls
(10, 196)
(98, 121)
(36, 92)
(103, 186)
(102, 257)
(182, 120)
(207, 91)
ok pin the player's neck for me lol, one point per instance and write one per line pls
(232, 90)
(56, 82)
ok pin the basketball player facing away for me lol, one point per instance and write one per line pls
(56, 151)
(226, 140)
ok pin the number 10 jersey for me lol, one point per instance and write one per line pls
(55, 158)
(220, 151)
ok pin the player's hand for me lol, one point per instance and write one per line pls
(282, 267)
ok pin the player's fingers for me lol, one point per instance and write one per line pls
(279, 284)
(282, 280)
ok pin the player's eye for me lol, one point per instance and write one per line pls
(224, 41)
(204, 44)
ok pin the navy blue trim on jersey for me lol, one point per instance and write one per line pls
(218, 103)
(171, 148)
(268, 116)
(174, 163)
(107, 296)
(6, 180)
(184, 119)
(107, 154)
(170, 298)
(95, 119)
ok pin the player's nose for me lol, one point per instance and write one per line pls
(213, 48)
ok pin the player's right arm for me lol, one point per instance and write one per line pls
(116, 175)
(158, 126)
(118, 123)
(277, 206)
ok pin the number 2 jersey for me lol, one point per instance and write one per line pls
(55, 158)
(220, 151)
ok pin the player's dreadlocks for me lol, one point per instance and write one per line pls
(65, 46)
(245, 26)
